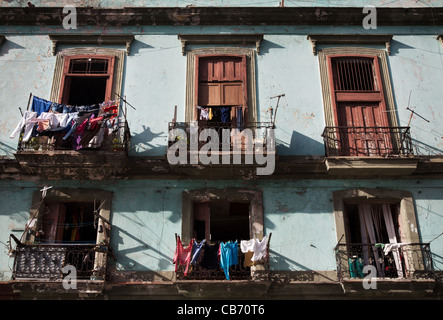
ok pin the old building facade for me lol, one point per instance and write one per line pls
(310, 132)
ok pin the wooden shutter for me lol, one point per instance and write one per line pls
(221, 81)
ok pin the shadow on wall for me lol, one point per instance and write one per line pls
(141, 143)
(7, 150)
(143, 230)
(421, 148)
(8, 45)
(300, 145)
(283, 270)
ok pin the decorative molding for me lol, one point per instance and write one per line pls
(98, 40)
(345, 39)
(225, 39)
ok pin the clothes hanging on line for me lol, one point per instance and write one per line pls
(388, 247)
(182, 255)
(25, 122)
(228, 256)
(225, 114)
(256, 247)
(210, 259)
(40, 105)
(87, 124)
(356, 267)
(204, 113)
(197, 252)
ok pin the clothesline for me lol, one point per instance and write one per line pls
(86, 125)
(220, 255)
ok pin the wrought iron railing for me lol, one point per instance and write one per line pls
(114, 138)
(240, 271)
(232, 136)
(358, 260)
(367, 141)
(46, 261)
(197, 272)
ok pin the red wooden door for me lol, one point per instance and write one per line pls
(360, 109)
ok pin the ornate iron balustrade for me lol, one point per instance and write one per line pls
(409, 261)
(46, 261)
(367, 141)
(112, 139)
(232, 136)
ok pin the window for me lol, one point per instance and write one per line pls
(68, 222)
(219, 214)
(66, 227)
(222, 88)
(87, 80)
(375, 223)
(221, 77)
(359, 105)
(378, 227)
(221, 220)
(86, 76)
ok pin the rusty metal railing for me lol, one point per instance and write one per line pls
(367, 141)
(409, 261)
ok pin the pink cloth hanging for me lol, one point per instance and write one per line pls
(183, 255)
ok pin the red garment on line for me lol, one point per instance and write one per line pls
(183, 255)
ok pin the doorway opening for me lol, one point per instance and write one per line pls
(221, 220)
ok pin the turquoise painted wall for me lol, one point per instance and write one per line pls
(155, 75)
(147, 214)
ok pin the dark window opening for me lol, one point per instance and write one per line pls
(221, 220)
(86, 90)
(68, 222)
(355, 226)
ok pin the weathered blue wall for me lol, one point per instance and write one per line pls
(146, 215)
(155, 74)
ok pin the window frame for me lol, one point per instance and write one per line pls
(192, 99)
(407, 215)
(255, 198)
(115, 86)
(326, 82)
(67, 76)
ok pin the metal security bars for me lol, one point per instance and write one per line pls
(409, 261)
(354, 74)
(367, 141)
